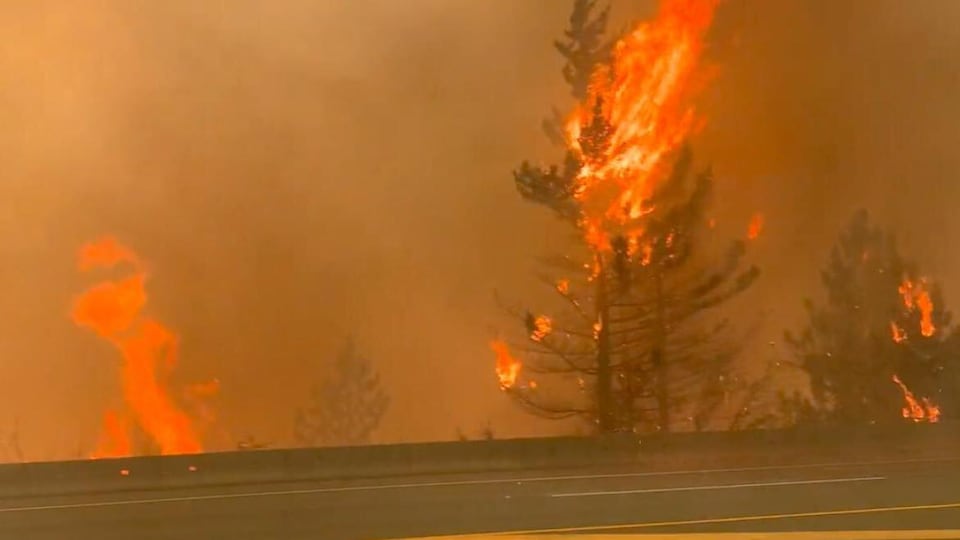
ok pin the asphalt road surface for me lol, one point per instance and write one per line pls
(828, 497)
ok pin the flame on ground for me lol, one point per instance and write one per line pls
(508, 367)
(918, 411)
(114, 437)
(916, 297)
(645, 96)
(113, 310)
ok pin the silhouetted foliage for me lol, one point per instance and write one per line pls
(864, 333)
(346, 407)
(583, 46)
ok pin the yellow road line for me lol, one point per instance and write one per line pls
(823, 535)
(708, 521)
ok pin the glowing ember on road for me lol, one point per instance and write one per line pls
(113, 310)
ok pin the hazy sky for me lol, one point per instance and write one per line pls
(297, 171)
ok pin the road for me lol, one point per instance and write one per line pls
(891, 495)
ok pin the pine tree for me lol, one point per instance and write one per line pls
(881, 332)
(637, 344)
(640, 342)
(345, 408)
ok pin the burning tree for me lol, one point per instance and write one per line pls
(636, 342)
(881, 347)
(345, 408)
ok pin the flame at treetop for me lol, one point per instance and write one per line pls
(916, 297)
(638, 111)
(645, 97)
(918, 411)
(113, 310)
(542, 326)
(508, 367)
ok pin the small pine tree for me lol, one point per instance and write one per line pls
(880, 321)
(347, 407)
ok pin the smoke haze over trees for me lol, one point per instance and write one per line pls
(301, 165)
(346, 407)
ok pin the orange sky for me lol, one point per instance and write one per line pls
(295, 171)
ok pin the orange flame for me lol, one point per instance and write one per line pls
(916, 297)
(114, 438)
(918, 411)
(112, 309)
(563, 286)
(755, 227)
(508, 367)
(542, 326)
(644, 96)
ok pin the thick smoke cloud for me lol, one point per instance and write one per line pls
(299, 171)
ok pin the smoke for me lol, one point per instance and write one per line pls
(296, 172)
(825, 107)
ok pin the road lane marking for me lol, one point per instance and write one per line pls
(720, 486)
(455, 483)
(709, 521)
(792, 535)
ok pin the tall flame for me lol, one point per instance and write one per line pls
(644, 96)
(113, 310)
(637, 112)
(114, 437)
(508, 367)
(916, 297)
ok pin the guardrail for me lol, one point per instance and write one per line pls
(655, 452)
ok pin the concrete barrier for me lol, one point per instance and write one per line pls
(654, 452)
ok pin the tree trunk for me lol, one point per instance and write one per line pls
(659, 362)
(605, 417)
